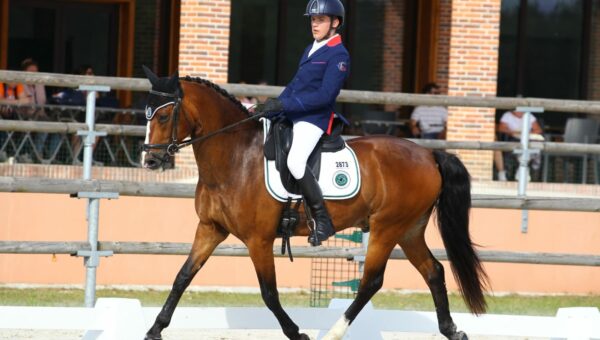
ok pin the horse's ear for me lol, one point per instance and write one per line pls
(174, 79)
(150, 75)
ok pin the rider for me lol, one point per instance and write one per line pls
(309, 102)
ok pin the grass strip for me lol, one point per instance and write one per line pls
(505, 304)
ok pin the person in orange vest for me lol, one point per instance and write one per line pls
(10, 94)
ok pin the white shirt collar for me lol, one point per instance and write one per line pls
(318, 45)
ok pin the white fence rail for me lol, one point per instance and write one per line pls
(140, 131)
(348, 96)
(125, 319)
(175, 190)
(174, 248)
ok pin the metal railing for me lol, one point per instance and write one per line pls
(52, 138)
(178, 190)
(174, 248)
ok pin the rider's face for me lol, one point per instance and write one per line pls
(321, 25)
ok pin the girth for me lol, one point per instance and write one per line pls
(279, 141)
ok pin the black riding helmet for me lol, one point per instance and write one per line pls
(333, 8)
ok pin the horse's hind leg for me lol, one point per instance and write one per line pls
(420, 257)
(207, 238)
(380, 247)
(261, 253)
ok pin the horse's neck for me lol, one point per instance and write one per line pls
(221, 158)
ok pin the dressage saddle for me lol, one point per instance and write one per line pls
(279, 141)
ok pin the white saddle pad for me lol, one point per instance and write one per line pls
(339, 178)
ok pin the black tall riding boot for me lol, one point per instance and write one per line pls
(314, 199)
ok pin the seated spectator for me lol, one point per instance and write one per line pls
(74, 97)
(429, 122)
(71, 96)
(37, 96)
(79, 98)
(10, 94)
(511, 124)
(509, 129)
(84, 70)
(499, 164)
(35, 92)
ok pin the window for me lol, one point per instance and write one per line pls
(62, 36)
(253, 41)
(544, 50)
(541, 45)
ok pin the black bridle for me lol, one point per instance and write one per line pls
(174, 146)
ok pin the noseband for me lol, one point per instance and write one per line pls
(174, 146)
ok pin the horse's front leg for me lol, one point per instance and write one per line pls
(208, 237)
(261, 253)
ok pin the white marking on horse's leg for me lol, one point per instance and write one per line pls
(146, 141)
(338, 330)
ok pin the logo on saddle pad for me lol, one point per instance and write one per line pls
(339, 175)
(341, 179)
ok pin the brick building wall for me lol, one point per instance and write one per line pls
(393, 42)
(594, 74)
(472, 71)
(185, 171)
(204, 39)
(443, 47)
(393, 47)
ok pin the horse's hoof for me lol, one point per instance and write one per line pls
(153, 337)
(460, 335)
(303, 337)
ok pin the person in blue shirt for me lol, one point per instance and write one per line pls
(309, 102)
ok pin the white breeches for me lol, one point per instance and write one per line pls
(306, 137)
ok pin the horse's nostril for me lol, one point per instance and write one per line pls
(151, 163)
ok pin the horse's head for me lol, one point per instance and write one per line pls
(165, 127)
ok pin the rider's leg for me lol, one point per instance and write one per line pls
(306, 137)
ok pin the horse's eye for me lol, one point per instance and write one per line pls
(163, 118)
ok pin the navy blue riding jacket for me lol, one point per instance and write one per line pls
(311, 95)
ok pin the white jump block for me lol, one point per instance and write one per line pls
(581, 323)
(117, 319)
(65, 318)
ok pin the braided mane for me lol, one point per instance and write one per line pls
(220, 91)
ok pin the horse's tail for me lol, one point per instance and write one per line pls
(453, 207)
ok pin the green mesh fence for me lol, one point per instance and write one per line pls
(335, 278)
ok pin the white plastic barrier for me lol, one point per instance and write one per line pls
(117, 319)
(125, 319)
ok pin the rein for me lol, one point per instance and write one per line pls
(174, 146)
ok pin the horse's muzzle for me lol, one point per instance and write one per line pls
(155, 161)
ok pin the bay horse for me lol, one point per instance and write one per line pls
(402, 183)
